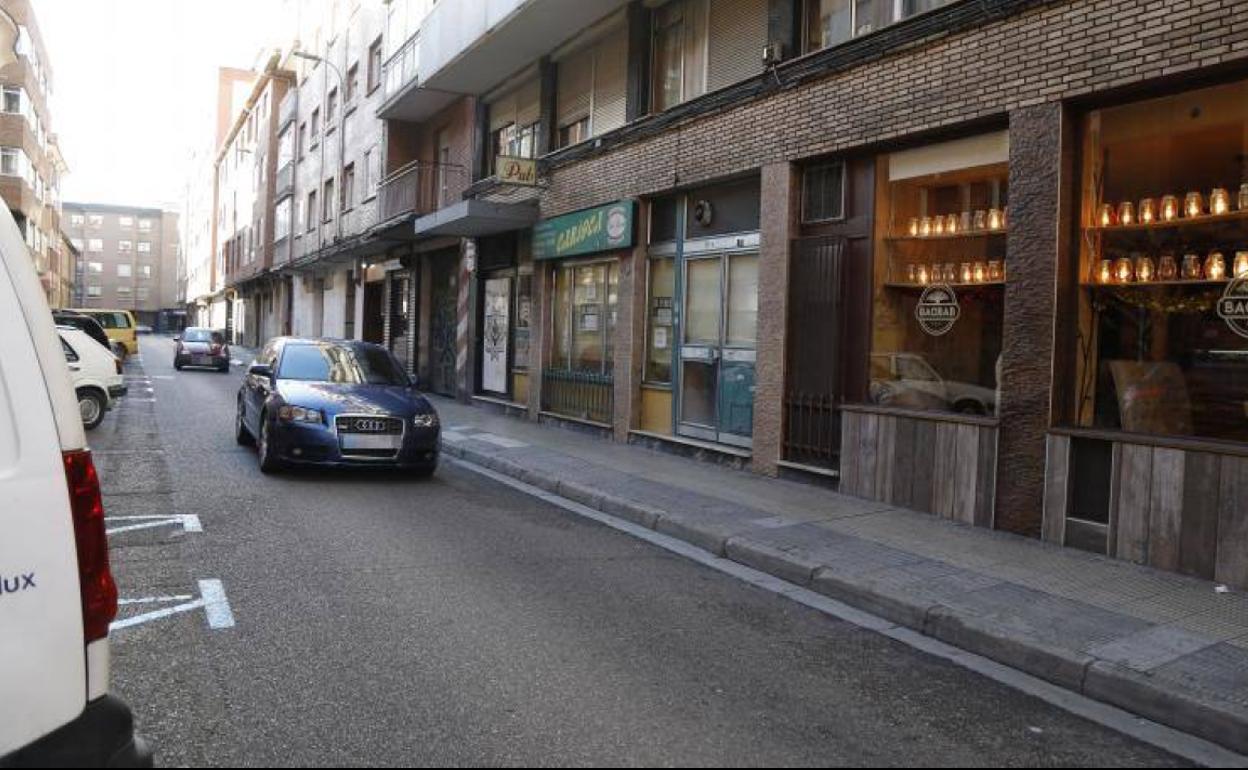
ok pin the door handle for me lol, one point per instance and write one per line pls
(75, 368)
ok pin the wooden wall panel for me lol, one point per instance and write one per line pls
(935, 466)
(1056, 489)
(1135, 476)
(1198, 549)
(1232, 564)
(1165, 513)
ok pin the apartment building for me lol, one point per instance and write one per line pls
(128, 259)
(31, 165)
(204, 292)
(982, 260)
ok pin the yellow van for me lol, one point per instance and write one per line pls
(119, 325)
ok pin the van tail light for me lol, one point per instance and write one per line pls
(99, 592)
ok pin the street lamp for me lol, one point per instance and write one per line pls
(342, 143)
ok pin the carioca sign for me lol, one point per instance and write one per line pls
(605, 228)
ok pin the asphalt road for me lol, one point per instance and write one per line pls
(385, 621)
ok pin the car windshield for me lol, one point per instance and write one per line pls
(340, 364)
(202, 335)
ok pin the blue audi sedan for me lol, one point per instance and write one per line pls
(341, 403)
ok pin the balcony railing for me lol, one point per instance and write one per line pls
(285, 182)
(400, 69)
(419, 188)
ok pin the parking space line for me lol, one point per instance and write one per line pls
(189, 523)
(154, 600)
(211, 600)
(216, 606)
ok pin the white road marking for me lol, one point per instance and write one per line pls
(155, 600)
(162, 377)
(189, 522)
(212, 601)
(1176, 742)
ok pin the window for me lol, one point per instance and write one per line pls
(13, 99)
(574, 133)
(1161, 325)
(352, 85)
(823, 192)
(76, 220)
(77, 242)
(331, 106)
(312, 212)
(521, 329)
(374, 65)
(123, 291)
(125, 221)
(327, 205)
(348, 186)
(936, 332)
(125, 247)
(584, 323)
(94, 291)
(145, 226)
(516, 142)
(285, 147)
(145, 271)
(514, 121)
(281, 219)
(95, 267)
(366, 172)
(95, 220)
(831, 22)
(95, 244)
(660, 320)
(303, 139)
(123, 270)
(145, 247)
(316, 124)
(678, 71)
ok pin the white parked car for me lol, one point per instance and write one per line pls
(95, 373)
(57, 596)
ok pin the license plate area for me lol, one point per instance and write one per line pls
(373, 441)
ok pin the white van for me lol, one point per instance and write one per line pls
(95, 372)
(57, 595)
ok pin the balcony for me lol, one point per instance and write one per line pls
(467, 47)
(285, 181)
(414, 188)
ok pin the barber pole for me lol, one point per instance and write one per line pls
(467, 264)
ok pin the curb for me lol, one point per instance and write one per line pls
(1087, 675)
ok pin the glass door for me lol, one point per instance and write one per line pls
(717, 351)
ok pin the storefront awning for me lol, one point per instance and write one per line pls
(474, 218)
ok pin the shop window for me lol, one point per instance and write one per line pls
(660, 320)
(522, 327)
(585, 314)
(939, 277)
(823, 192)
(1162, 325)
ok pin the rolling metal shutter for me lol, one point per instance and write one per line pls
(576, 81)
(610, 84)
(738, 34)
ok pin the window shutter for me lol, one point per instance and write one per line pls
(528, 103)
(576, 80)
(502, 111)
(610, 84)
(738, 34)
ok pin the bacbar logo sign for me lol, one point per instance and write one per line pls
(1233, 307)
(938, 310)
(518, 171)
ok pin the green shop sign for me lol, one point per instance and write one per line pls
(606, 228)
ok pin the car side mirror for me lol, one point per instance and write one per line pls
(261, 370)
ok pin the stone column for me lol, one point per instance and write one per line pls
(1040, 162)
(781, 199)
(539, 334)
(630, 334)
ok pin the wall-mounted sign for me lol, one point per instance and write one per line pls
(606, 228)
(1233, 307)
(938, 309)
(517, 171)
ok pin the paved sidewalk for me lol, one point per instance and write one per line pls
(1164, 646)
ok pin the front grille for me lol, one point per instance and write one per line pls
(383, 426)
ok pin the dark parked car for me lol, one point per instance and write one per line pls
(86, 323)
(201, 347)
(335, 403)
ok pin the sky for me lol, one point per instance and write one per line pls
(134, 88)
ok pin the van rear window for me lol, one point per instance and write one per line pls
(112, 320)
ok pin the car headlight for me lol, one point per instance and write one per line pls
(299, 414)
(429, 420)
